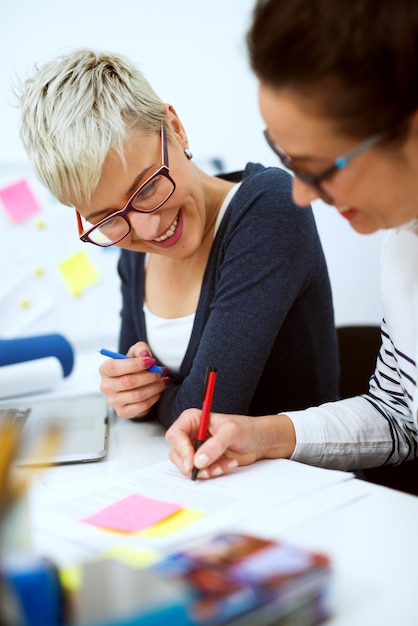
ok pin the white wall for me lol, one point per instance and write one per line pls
(194, 55)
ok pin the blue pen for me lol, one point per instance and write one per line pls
(118, 355)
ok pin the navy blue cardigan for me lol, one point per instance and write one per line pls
(265, 316)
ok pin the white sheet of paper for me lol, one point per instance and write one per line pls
(226, 501)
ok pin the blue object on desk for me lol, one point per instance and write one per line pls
(174, 614)
(24, 349)
(35, 586)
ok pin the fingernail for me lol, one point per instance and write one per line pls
(217, 471)
(148, 362)
(144, 353)
(165, 370)
(201, 460)
(232, 463)
(167, 380)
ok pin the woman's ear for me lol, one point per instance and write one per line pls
(176, 126)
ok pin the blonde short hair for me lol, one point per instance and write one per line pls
(76, 108)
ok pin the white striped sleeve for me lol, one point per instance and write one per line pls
(368, 430)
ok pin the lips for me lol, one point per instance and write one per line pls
(168, 233)
(171, 235)
(347, 212)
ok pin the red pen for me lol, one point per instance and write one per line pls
(206, 408)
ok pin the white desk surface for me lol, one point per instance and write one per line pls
(370, 532)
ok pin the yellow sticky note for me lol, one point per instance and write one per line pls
(78, 272)
(137, 558)
(172, 524)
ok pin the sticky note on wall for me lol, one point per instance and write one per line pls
(18, 201)
(78, 272)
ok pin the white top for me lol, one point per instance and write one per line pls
(168, 338)
(381, 426)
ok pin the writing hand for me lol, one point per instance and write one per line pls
(233, 440)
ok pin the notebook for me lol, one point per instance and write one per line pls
(83, 420)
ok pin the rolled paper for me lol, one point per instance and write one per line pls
(29, 377)
(22, 349)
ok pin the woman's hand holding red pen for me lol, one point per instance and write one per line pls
(233, 440)
(128, 385)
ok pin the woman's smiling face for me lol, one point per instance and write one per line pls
(176, 228)
(377, 189)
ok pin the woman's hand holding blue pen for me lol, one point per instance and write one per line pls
(130, 388)
(233, 440)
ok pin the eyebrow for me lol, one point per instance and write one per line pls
(300, 157)
(129, 192)
(310, 158)
(312, 166)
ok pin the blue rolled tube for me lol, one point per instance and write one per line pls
(38, 347)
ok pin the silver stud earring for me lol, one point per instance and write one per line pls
(188, 154)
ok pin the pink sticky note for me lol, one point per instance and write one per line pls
(19, 201)
(132, 514)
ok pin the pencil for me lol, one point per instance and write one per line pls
(13, 487)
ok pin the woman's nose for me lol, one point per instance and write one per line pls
(145, 225)
(302, 193)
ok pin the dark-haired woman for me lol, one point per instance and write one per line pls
(338, 90)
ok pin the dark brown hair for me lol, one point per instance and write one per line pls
(356, 60)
